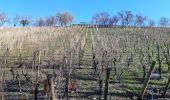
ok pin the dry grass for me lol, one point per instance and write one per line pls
(26, 40)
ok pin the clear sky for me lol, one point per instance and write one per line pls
(83, 10)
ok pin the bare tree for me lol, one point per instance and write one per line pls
(16, 20)
(64, 18)
(139, 20)
(25, 20)
(126, 17)
(164, 21)
(95, 19)
(101, 18)
(40, 22)
(151, 22)
(51, 21)
(3, 18)
(114, 20)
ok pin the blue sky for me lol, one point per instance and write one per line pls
(83, 10)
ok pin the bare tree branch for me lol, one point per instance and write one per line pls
(3, 18)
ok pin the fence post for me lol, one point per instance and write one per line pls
(140, 97)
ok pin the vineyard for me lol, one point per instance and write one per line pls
(84, 62)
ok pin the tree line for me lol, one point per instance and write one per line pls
(127, 18)
(123, 18)
(61, 19)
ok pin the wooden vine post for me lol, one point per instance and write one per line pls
(36, 65)
(140, 97)
(18, 81)
(36, 92)
(159, 61)
(19, 59)
(166, 87)
(1, 84)
(34, 60)
(52, 91)
(107, 83)
(66, 83)
(6, 57)
(39, 64)
(66, 88)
